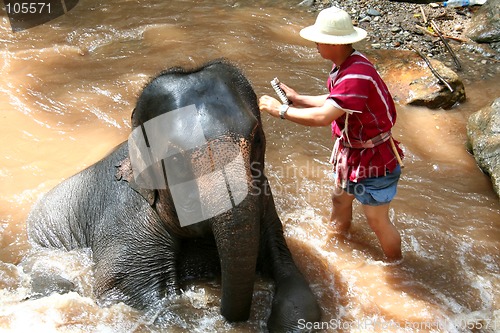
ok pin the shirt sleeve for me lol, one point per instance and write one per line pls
(350, 92)
(334, 103)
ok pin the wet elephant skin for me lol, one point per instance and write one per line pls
(141, 251)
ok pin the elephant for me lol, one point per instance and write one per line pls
(184, 197)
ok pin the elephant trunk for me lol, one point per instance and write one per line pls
(237, 236)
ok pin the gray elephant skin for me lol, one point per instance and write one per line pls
(141, 252)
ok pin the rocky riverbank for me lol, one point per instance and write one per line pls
(412, 26)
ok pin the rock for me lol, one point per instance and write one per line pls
(483, 134)
(411, 82)
(485, 25)
(307, 3)
(365, 19)
(415, 1)
(43, 284)
(373, 12)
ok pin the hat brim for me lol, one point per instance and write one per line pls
(311, 33)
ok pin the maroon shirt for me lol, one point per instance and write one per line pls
(357, 88)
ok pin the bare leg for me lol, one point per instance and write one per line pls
(341, 211)
(387, 234)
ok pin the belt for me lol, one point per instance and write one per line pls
(370, 143)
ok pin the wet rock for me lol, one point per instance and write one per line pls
(45, 284)
(482, 49)
(411, 82)
(485, 25)
(483, 134)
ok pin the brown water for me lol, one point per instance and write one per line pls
(67, 90)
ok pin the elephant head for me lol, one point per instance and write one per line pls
(197, 143)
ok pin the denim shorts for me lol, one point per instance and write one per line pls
(375, 191)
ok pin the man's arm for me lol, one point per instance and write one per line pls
(322, 115)
(309, 101)
(303, 100)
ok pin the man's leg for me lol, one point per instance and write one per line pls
(387, 234)
(341, 211)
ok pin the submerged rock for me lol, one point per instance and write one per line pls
(411, 81)
(45, 284)
(483, 134)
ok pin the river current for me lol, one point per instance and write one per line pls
(67, 90)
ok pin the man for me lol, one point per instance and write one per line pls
(361, 111)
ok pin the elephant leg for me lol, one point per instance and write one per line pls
(137, 265)
(293, 301)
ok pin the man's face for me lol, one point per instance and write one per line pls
(325, 50)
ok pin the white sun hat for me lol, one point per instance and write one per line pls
(333, 26)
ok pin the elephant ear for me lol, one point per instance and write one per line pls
(125, 173)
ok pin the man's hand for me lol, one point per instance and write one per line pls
(290, 93)
(270, 105)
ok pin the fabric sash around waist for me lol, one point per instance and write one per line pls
(370, 143)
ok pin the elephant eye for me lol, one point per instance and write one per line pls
(176, 162)
(179, 168)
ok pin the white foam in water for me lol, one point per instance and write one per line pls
(415, 245)
(490, 263)
(480, 283)
(485, 290)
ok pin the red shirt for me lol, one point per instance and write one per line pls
(357, 88)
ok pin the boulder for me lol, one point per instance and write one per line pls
(483, 135)
(485, 25)
(411, 81)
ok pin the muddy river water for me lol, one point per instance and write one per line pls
(67, 89)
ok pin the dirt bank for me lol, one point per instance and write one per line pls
(407, 26)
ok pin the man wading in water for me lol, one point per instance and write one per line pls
(366, 160)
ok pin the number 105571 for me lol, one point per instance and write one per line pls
(28, 8)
